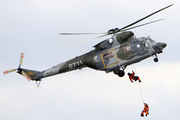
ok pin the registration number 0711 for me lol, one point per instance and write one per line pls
(75, 64)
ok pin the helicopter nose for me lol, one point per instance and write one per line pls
(161, 45)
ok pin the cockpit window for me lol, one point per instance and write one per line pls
(150, 40)
(144, 44)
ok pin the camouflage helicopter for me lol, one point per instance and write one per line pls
(111, 55)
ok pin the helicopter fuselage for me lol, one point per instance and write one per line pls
(119, 51)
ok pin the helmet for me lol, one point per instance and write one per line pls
(145, 104)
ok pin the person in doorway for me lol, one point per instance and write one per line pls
(132, 77)
(145, 110)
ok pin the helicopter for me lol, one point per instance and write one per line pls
(111, 55)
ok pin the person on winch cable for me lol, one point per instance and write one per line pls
(145, 110)
(132, 77)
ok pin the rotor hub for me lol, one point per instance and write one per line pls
(113, 31)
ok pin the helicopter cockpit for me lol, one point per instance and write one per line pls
(150, 41)
(146, 41)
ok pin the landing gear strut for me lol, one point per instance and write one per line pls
(156, 59)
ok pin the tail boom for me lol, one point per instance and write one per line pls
(73, 64)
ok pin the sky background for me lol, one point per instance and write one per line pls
(32, 27)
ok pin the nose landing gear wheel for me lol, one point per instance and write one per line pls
(155, 59)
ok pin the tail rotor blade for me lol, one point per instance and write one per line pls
(25, 75)
(21, 60)
(8, 71)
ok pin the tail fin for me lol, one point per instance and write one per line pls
(29, 74)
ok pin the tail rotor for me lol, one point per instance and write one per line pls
(19, 70)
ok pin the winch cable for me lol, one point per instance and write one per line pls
(138, 84)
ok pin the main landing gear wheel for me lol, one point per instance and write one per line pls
(116, 71)
(119, 72)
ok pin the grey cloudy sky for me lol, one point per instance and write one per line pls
(32, 27)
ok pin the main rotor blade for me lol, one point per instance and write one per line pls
(25, 75)
(79, 41)
(142, 25)
(21, 60)
(8, 71)
(144, 18)
(79, 33)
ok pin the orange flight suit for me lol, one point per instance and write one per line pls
(145, 110)
(131, 76)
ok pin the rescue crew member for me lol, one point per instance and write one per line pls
(145, 110)
(132, 77)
